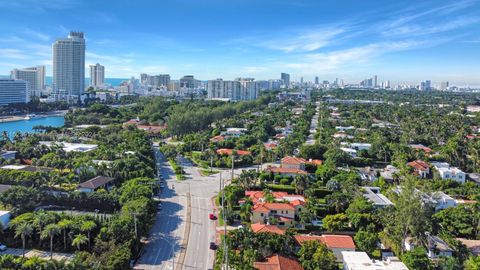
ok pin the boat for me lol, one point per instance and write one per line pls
(30, 116)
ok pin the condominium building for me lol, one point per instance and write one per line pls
(13, 91)
(285, 77)
(188, 81)
(34, 76)
(97, 75)
(69, 65)
(239, 89)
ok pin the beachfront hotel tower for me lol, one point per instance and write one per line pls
(69, 65)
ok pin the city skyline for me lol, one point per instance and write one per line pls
(410, 42)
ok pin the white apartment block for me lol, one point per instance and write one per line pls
(69, 65)
(97, 75)
(240, 89)
(34, 76)
(13, 91)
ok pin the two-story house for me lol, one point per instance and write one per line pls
(283, 213)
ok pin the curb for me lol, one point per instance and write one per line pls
(186, 235)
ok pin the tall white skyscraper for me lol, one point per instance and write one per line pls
(34, 76)
(285, 77)
(239, 89)
(69, 65)
(97, 75)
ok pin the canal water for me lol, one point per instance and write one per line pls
(26, 126)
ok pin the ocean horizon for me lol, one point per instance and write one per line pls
(111, 81)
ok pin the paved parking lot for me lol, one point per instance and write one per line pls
(38, 253)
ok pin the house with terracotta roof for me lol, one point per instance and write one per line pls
(226, 151)
(421, 147)
(278, 262)
(218, 138)
(269, 146)
(258, 196)
(284, 213)
(336, 243)
(285, 171)
(259, 228)
(420, 168)
(292, 162)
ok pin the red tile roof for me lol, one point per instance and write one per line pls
(297, 202)
(419, 165)
(218, 138)
(226, 151)
(330, 240)
(421, 147)
(266, 207)
(278, 262)
(293, 160)
(282, 170)
(258, 228)
(316, 162)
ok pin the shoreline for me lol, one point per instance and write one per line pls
(21, 117)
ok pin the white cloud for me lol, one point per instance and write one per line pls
(13, 54)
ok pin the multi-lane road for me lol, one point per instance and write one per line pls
(180, 237)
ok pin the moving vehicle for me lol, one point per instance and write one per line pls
(212, 216)
(213, 246)
(159, 206)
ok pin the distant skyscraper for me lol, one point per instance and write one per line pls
(13, 91)
(444, 85)
(285, 77)
(97, 75)
(301, 80)
(188, 81)
(375, 81)
(34, 76)
(317, 80)
(69, 65)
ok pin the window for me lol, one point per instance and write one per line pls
(261, 214)
(273, 211)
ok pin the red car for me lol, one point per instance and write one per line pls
(212, 216)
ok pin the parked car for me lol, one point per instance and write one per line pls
(3, 247)
(159, 206)
(213, 246)
(212, 216)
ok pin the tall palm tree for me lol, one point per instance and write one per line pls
(301, 183)
(41, 218)
(64, 225)
(23, 230)
(51, 230)
(87, 227)
(79, 240)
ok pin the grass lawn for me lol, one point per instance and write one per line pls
(207, 172)
(176, 167)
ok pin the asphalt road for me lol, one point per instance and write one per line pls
(168, 233)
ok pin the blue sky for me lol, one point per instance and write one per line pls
(403, 41)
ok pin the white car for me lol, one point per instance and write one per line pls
(3, 247)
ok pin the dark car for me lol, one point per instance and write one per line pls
(213, 246)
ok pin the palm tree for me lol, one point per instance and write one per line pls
(79, 240)
(39, 221)
(64, 225)
(301, 183)
(50, 231)
(23, 230)
(245, 210)
(87, 227)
